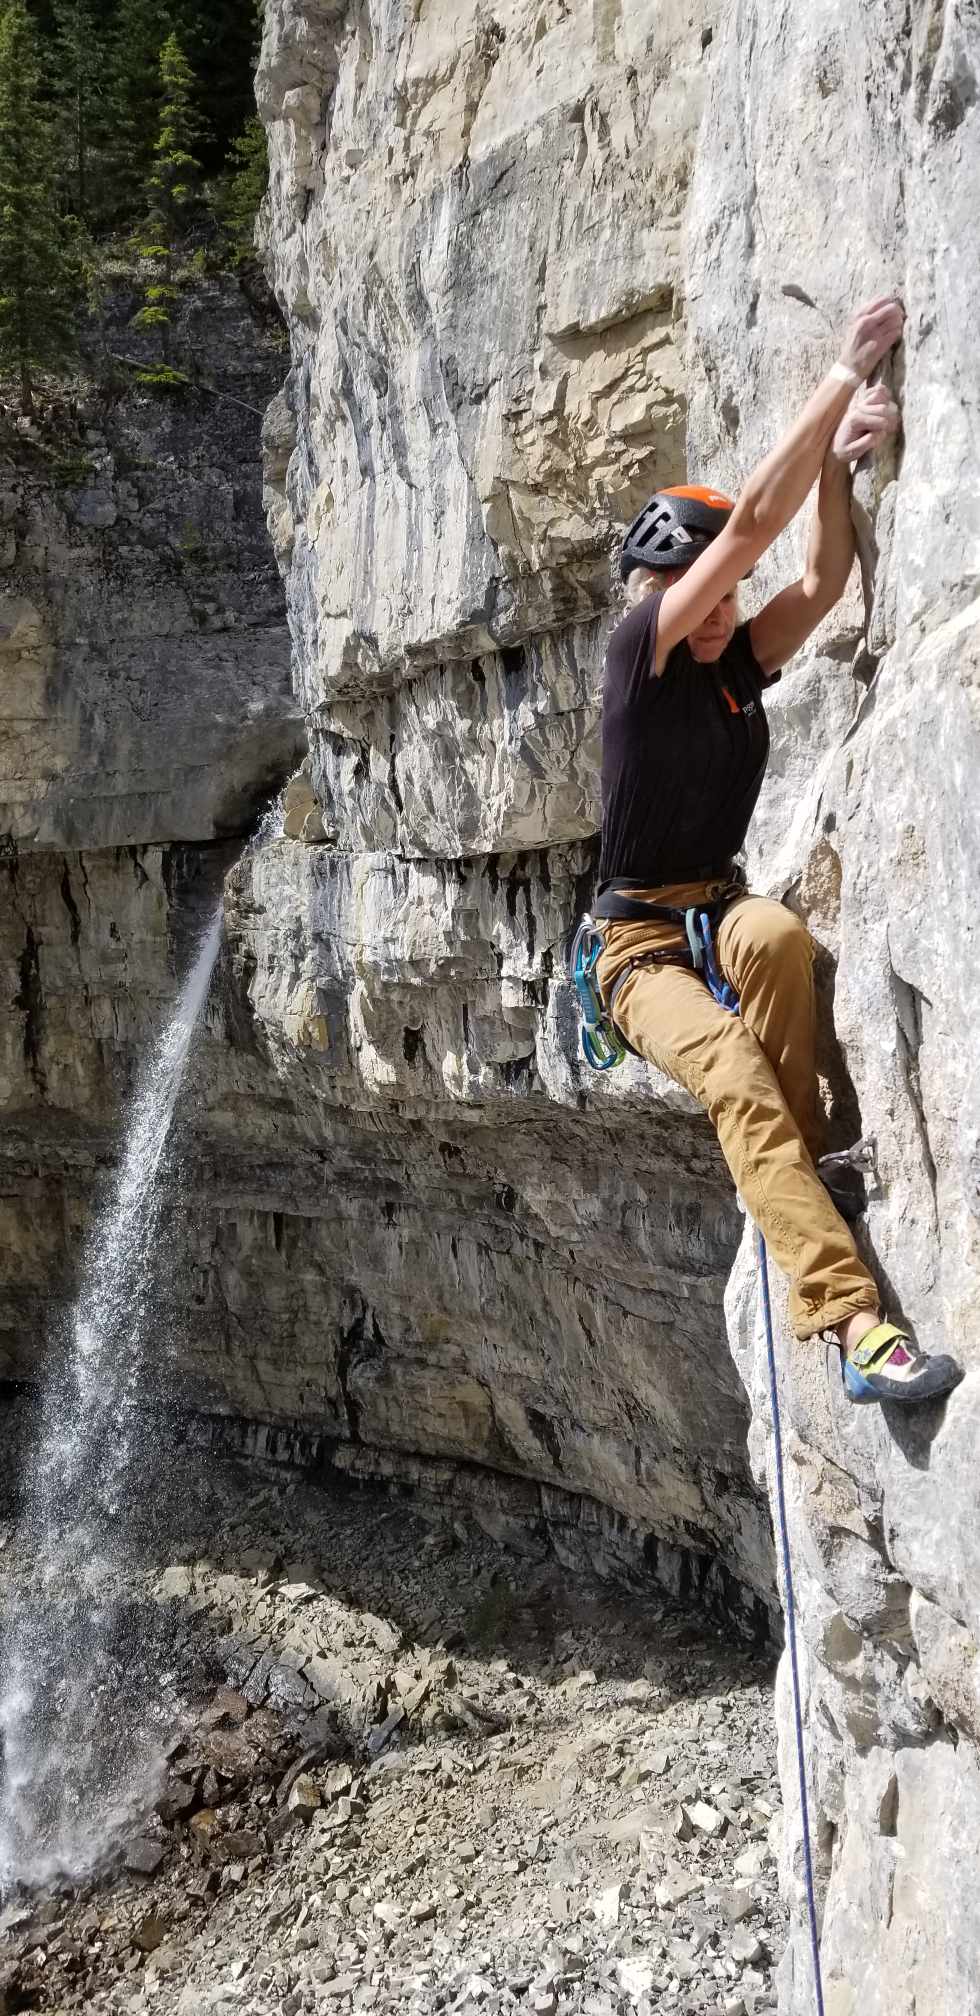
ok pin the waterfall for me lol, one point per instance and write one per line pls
(77, 1743)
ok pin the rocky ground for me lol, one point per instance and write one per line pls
(410, 1770)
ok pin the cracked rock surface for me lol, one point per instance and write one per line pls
(531, 261)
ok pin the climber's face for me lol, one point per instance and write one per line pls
(709, 640)
(711, 637)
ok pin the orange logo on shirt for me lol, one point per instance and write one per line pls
(733, 704)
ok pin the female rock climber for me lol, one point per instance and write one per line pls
(685, 747)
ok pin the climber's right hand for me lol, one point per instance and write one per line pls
(872, 333)
(871, 418)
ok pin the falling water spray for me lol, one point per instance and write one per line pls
(77, 1747)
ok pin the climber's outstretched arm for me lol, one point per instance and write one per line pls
(787, 621)
(778, 486)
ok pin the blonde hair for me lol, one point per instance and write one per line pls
(640, 581)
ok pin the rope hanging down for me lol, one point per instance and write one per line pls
(811, 1898)
(727, 998)
(604, 1048)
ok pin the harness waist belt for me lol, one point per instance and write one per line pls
(616, 903)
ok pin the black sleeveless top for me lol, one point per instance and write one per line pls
(683, 756)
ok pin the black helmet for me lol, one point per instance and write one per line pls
(674, 529)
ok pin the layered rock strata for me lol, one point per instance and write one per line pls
(442, 590)
(144, 663)
(146, 711)
(418, 1239)
(474, 232)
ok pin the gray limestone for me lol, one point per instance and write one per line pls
(524, 278)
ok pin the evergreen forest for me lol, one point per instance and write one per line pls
(128, 139)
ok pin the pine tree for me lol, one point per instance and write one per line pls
(174, 183)
(173, 193)
(248, 179)
(220, 39)
(79, 74)
(132, 98)
(39, 283)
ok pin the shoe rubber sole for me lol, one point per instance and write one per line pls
(940, 1376)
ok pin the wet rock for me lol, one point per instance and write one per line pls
(203, 1829)
(229, 1708)
(178, 1801)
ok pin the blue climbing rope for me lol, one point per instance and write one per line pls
(726, 997)
(811, 1898)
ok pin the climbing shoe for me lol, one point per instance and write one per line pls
(888, 1365)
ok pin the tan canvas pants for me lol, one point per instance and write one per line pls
(755, 1075)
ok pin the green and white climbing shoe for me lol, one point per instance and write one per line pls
(888, 1365)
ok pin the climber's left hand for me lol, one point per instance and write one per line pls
(871, 418)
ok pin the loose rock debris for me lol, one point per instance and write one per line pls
(413, 1771)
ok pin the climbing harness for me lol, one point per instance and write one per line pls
(603, 1044)
(601, 1041)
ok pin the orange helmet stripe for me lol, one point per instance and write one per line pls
(717, 500)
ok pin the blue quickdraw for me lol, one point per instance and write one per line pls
(602, 1046)
(702, 947)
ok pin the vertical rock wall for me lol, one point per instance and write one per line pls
(839, 156)
(418, 1235)
(146, 711)
(474, 230)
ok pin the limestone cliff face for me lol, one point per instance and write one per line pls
(872, 828)
(511, 309)
(144, 665)
(474, 230)
(532, 261)
(146, 710)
